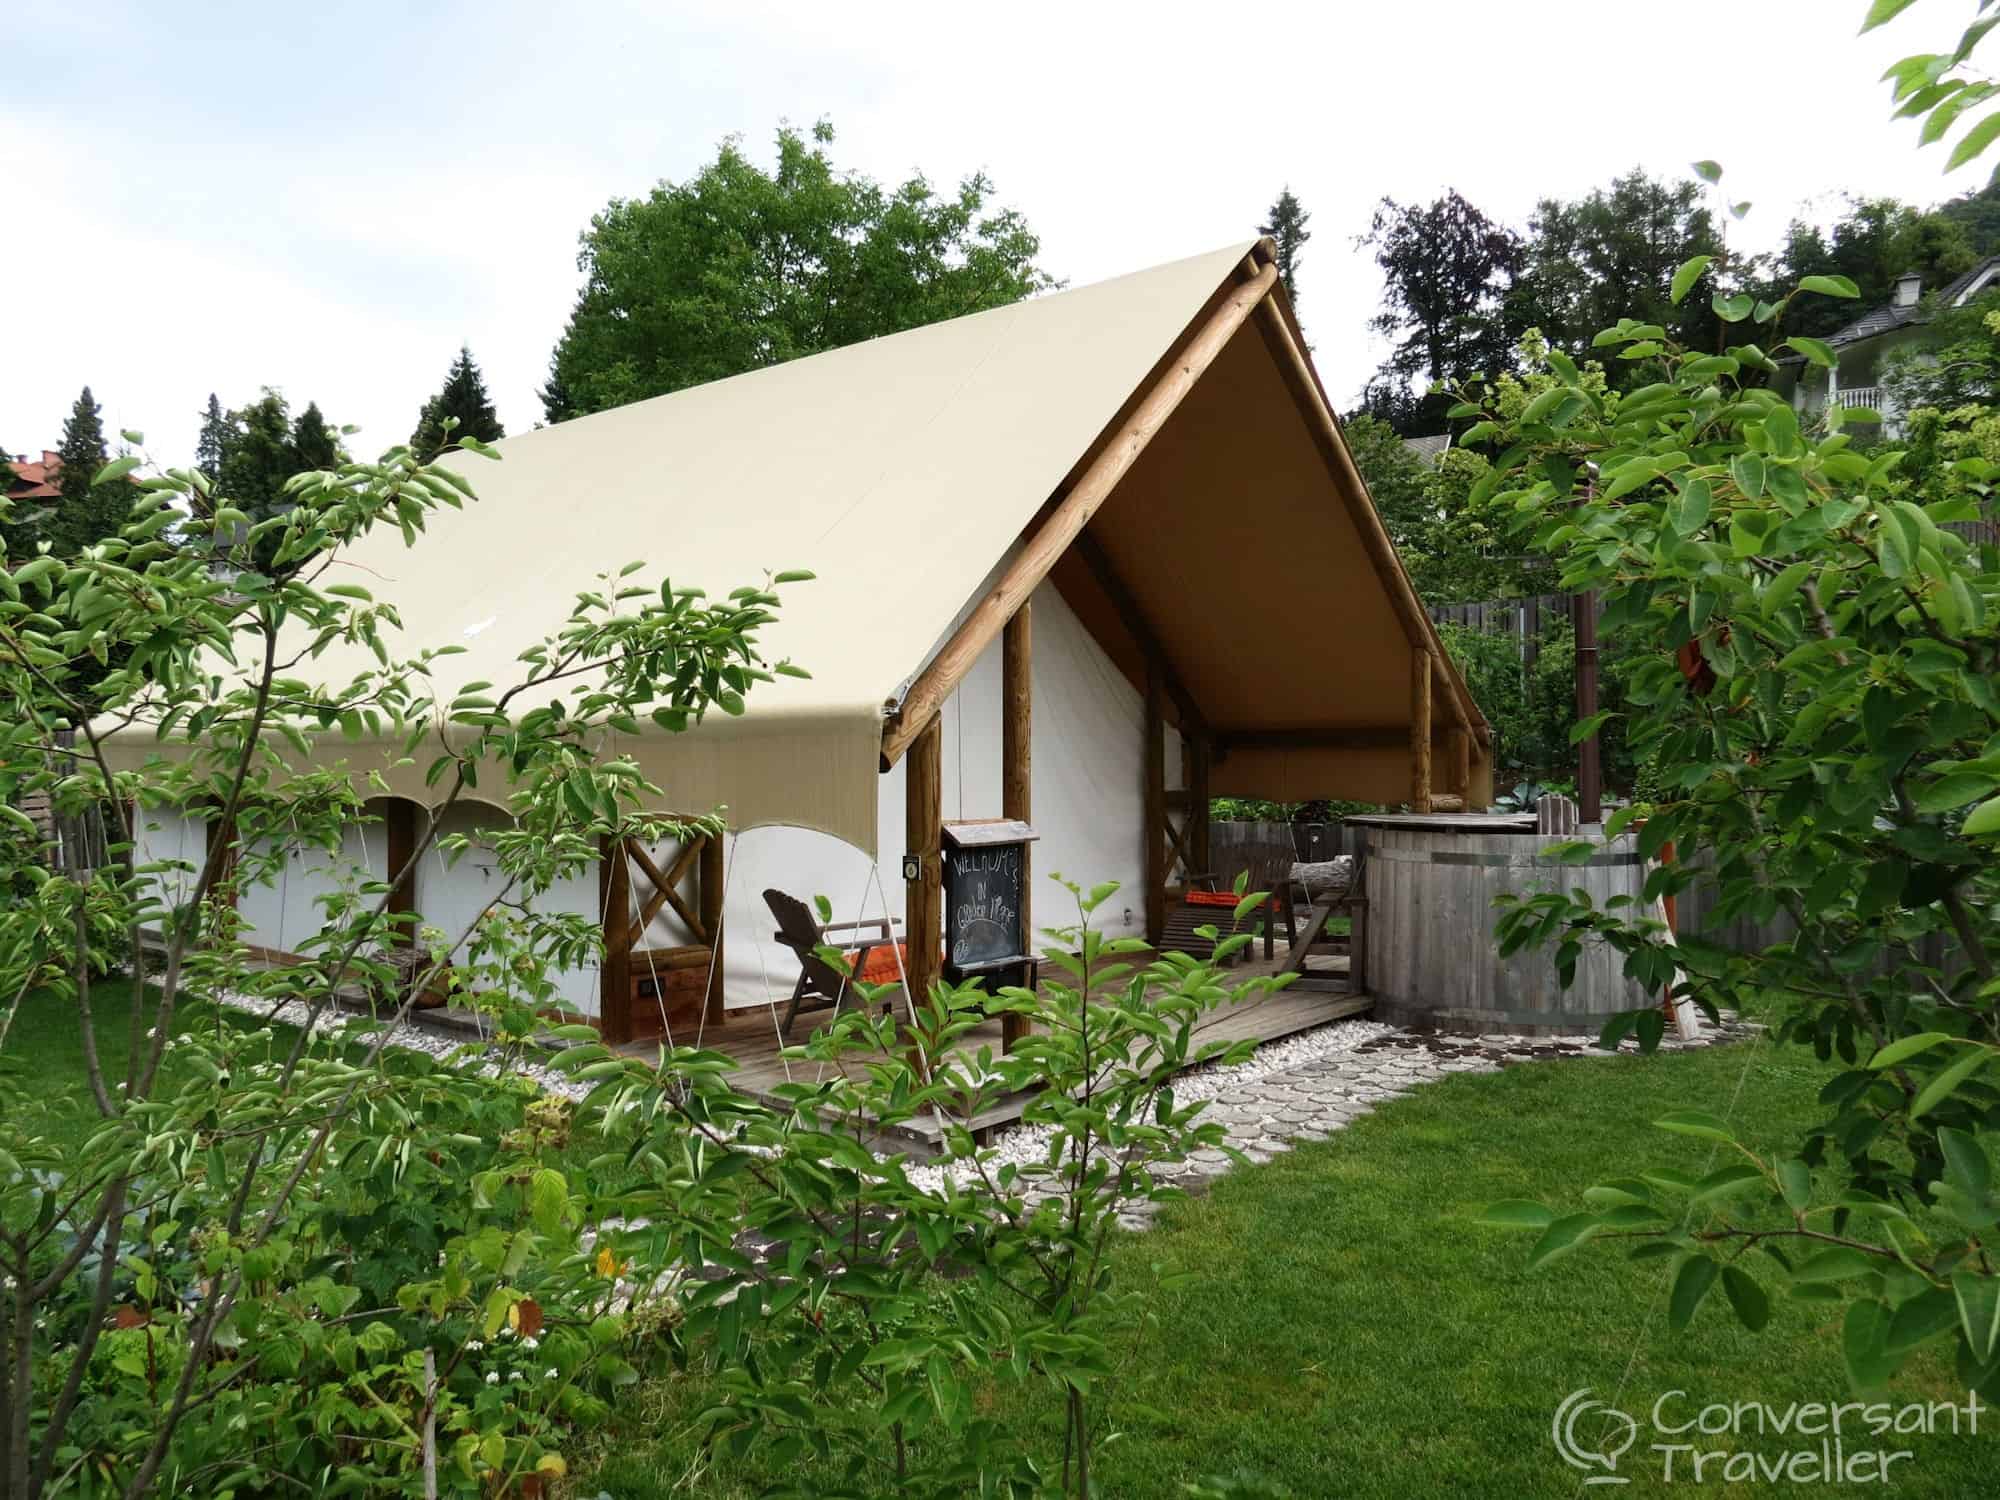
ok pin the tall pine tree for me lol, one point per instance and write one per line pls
(87, 512)
(463, 396)
(213, 444)
(1286, 224)
(315, 445)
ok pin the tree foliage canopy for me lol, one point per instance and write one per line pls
(739, 267)
(1286, 224)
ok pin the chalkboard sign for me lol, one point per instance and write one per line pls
(985, 923)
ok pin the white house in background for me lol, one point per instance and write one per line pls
(1860, 348)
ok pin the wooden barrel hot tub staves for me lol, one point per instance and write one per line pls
(1432, 956)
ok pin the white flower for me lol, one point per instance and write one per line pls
(552, 1373)
(475, 1344)
(531, 1343)
(492, 1377)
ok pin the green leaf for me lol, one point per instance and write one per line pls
(1882, 11)
(1946, 1083)
(118, 468)
(1747, 1297)
(1747, 469)
(1708, 171)
(1837, 1264)
(1516, 1213)
(1984, 820)
(1864, 1340)
(1691, 1283)
(1815, 350)
(1954, 790)
(1693, 1122)
(1733, 309)
(1974, 141)
(1689, 510)
(1795, 1182)
(1905, 1047)
(1829, 286)
(1690, 270)
(1561, 1237)
(1978, 1312)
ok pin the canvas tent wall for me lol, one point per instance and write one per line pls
(1152, 457)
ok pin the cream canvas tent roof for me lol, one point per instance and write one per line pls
(1153, 413)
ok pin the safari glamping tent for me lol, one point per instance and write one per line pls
(1082, 563)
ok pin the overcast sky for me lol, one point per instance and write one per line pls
(329, 199)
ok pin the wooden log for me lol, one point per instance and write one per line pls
(614, 987)
(713, 875)
(937, 682)
(1353, 492)
(923, 825)
(1459, 740)
(666, 890)
(1155, 802)
(399, 829)
(1420, 731)
(1017, 768)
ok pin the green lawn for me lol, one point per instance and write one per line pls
(1354, 1333)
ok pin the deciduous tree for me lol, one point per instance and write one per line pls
(739, 267)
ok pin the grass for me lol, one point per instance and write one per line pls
(1354, 1332)
(1351, 1330)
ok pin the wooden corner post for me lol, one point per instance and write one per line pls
(923, 823)
(1017, 767)
(1156, 801)
(614, 900)
(713, 872)
(1200, 761)
(1420, 729)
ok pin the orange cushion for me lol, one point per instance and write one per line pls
(1219, 898)
(886, 963)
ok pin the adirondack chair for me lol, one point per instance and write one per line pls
(1211, 902)
(819, 981)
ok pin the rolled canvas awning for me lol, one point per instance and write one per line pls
(899, 471)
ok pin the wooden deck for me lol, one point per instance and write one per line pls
(750, 1035)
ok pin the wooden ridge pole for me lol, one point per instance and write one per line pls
(1017, 768)
(923, 824)
(936, 682)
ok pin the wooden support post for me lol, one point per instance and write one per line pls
(614, 978)
(1156, 802)
(1420, 730)
(923, 824)
(1460, 741)
(1017, 768)
(399, 828)
(713, 872)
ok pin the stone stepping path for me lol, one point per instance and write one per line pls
(1311, 1100)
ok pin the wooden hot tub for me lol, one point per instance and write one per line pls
(1432, 957)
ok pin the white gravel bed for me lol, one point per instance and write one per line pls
(1024, 1143)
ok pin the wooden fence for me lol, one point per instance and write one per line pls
(1526, 619)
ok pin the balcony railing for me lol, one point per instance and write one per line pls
(1860, 395)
